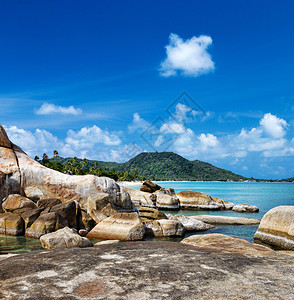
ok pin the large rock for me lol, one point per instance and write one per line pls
(85, 221)
(224, 220)
(151, 213)
(149, 187)
(191, 224)
(140, 198)
(277, 228)
(245, 208)
(48, 202)
(158, 228)
(146, 270)
(33, 193)
(46, 223)
(21, 172)
(64, 238)
(31, 215)
(67, 211)
(226, 244)
(196, 200)
(167, 202)
(11, 224)
(99, 207)
(15, 201)
(152, 228)
(224, 205)
(121, 226)
(171, 228)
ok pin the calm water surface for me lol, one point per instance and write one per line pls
(264, 195)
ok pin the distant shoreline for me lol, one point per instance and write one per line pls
(132, 183)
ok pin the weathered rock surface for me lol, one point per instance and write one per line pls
(21, 172)
(107, 242)
(224, 220)
(67, 211)
(46, 223)
(245, 208)
(171, 227)
(48, 202)
(226, 243)
(277, 228)
(64, 238)
(15, 201)
(168, 202)
(149, 187)
(140, 198)
(33, 193)
(11, 224)
(151, 213)
(196, 200)
(152, 228)
(31, 215)
(121, 226)
(224, 205)
(146, 270)
(164, 227)
(191, 224)
(85, 221)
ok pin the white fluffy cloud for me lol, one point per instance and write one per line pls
(90, 142)
(48, 109)
(138, 123)
(33, 143)
(188, 58)
(273, 126)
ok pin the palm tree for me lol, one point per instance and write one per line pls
(37, 158)
(84, 162)
(45, 158)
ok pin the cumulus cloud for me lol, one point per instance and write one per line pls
(33, 143)
(48, 109)
(188, 58)
(273, 126)
(88, 137)
(138, 123)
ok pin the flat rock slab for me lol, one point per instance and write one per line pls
(224, 220)
(146, 270)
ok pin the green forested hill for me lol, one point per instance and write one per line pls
(163, 166)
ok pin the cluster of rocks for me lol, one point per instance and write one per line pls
(62, 210)
(154, 196)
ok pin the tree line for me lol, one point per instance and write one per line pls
(76, 166)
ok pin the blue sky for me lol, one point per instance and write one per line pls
(105, 80)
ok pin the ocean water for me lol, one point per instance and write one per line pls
(264, 195)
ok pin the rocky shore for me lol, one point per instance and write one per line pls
(148, 270)
(63, 211)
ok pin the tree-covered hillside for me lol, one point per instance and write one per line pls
(150, 165)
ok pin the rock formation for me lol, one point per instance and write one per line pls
(196, 200)
(191, 224)
(121, 226)
(149, 187)
(39, 200)
(224, 220)
(21, 172)
(245, 208)
(64, 238)
(226, 244)
(277, 228)
(146, 270)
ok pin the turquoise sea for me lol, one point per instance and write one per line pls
(264, 195)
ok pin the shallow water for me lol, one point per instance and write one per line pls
(264, 195)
